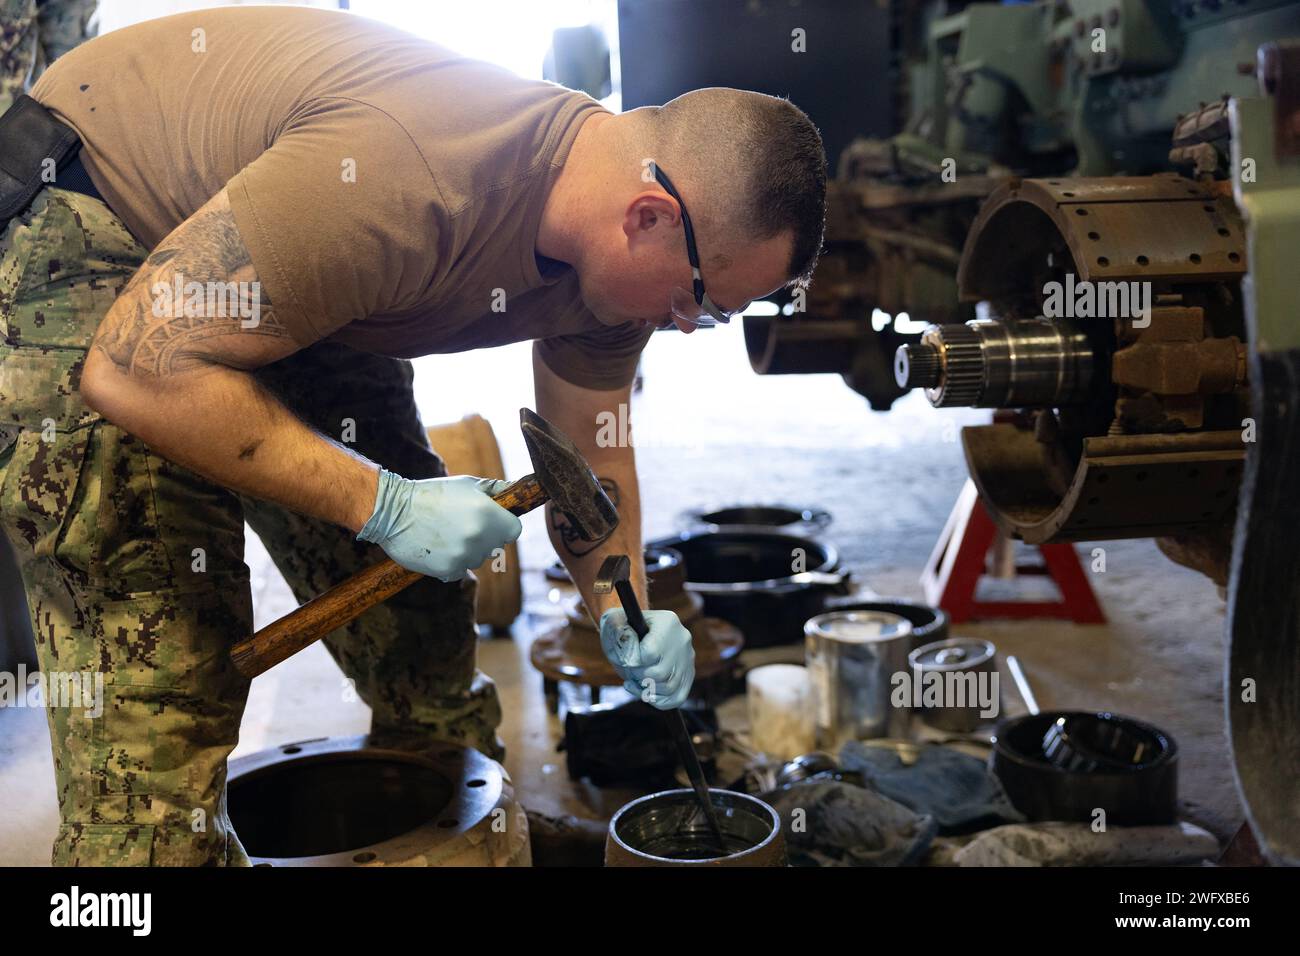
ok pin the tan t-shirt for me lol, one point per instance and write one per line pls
(389, 190)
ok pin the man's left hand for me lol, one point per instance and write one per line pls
(660, 667)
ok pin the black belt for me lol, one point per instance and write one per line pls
(74, 177)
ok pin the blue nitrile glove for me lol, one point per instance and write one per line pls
(660, 667)
(441, 527)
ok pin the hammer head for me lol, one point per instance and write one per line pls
(615, 568)
(566, 477)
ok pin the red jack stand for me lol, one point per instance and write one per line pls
(960, 560)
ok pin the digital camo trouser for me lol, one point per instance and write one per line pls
(134, 569)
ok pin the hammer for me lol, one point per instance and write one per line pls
(560, 475)
(613, 576)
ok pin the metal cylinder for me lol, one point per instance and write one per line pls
(1020, 363)
(852, 657)
(343, 801)
(957, 667)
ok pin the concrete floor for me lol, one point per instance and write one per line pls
(710, 431)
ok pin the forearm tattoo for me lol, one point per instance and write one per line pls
(573, 542)
(158, 327)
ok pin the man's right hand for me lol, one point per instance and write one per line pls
(441, 527)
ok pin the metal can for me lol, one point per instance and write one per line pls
(852, 657)
(965, 672)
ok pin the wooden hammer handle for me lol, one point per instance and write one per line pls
(348, 599)
(522, 496)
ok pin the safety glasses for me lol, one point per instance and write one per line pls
(693, 306)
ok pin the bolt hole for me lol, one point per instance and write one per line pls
(1208, 208)
(477, 783)
(1233, 257)
(1195, 258)
(1143, 261)
(1102, 479)
(1224, 232)
(1067, 194)
(292, 750)
(1093, 501)
(1103, 261)
(1193, 472)
(1094, 235)
(1081, 212)
(1141, 476)
(366, 857)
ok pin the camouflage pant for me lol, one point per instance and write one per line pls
(33, 34)
(134, 567)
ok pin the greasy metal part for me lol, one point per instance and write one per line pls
(750, 577)
(1141, 393)
(799, 346)
(1203, 125)
(1142, 795)
(804, 766)
(623, 746)
(572, 652)
(795, 519)
(997, 89)
(1166, 371)
(660, 830)
(341, 801)
(1207, 367)
(1162, 228)
(1023, 363)
(1201, 139)
(1125, 486)
(1262, 689)
(1092, 743)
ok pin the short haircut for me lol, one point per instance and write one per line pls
(759, 158)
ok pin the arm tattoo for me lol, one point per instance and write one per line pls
(196, 287)
(573, 542)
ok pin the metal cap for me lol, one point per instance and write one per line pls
(858, 627)
(954, 654)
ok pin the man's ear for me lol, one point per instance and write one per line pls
(647, 211)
